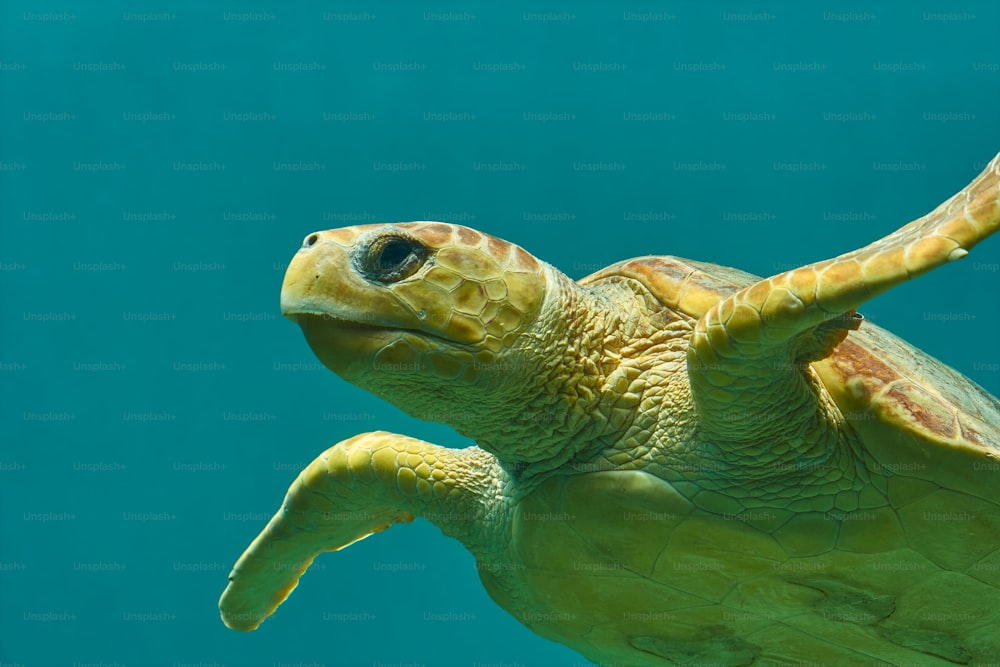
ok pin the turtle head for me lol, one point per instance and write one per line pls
(432, 317)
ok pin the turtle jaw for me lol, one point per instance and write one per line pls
(358, 333)
(354, 329)
(347, 348)
(354, 350)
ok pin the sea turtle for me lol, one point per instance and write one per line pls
(677, 464)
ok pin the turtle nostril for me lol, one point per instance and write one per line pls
(310, 241)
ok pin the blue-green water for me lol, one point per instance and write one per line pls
(160, 163)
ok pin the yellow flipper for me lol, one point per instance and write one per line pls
(356, 488)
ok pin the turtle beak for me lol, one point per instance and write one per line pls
(320, 281)
(298, 284)
(305, 275)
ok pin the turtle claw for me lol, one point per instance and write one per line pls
(851, 320)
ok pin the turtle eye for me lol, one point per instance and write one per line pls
(388, 259)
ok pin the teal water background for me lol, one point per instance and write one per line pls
(161, 162)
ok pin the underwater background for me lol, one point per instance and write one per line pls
(161, 162)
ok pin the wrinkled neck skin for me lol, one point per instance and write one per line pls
(573, 386)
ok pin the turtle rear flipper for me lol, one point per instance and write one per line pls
(747, 356)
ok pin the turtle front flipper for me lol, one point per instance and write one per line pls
(356, 488)
(748, 356)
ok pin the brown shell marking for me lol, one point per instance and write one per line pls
(872, 382)
(681, 284)
(875, 375)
